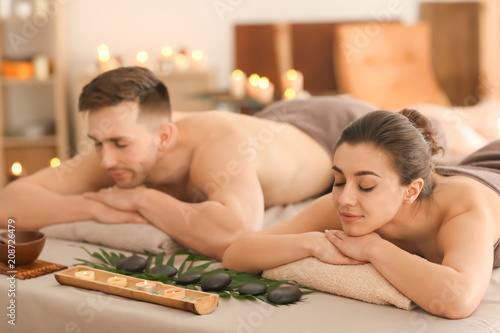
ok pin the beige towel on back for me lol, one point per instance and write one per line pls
(362, 282)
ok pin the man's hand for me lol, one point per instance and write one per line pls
(115, 197)
(327, 252)
(105, 214)
(357, 248)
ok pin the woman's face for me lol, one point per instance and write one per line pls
(367, 192)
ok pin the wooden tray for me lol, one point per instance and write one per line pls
(199, 302)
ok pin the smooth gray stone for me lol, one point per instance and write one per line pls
(165, 270)
(253, 288)
(284, 295)
(188, 278)
(134, 264)
(216, 282)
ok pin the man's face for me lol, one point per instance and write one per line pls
(126, 148)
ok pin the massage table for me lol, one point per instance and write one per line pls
(44, 305)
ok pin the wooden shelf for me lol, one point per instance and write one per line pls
(22, 82)
(23, 142)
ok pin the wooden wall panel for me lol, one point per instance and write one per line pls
(455, 45)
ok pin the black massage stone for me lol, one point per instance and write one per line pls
(189, 278)
(253, 288)
(216, 282)
(284, 295)
(165, 270)
(134, 264)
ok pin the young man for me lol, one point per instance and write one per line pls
(204, 180)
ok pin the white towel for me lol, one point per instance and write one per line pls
(361, 282)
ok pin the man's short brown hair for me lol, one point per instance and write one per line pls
(127, 84)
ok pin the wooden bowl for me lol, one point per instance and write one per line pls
(28, 246)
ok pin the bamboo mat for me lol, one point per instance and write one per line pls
(36, 268)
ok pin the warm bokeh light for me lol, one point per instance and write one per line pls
(197, 55)
(55, 162)
(142, 56)
(289, 93)
(254, 79)
(291, 74)
(237, 74)
(16, 168)
(180, 58)
(166, 51)
(103, 53)
(263, 82)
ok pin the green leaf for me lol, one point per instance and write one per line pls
(159, 259)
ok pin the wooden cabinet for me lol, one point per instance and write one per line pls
(33, 116)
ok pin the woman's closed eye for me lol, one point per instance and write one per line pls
(367, 189)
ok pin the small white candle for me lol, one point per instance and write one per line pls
(252, 85)
(181, 63)
(289, 94)
(146, 286)
(265, 93)
(85, 275)
(292, 79)
(197, 60)
(117, 281)
(238, 82)
(176, 293)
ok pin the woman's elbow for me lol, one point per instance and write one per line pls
(459, 308)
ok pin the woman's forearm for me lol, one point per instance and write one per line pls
(256, 252)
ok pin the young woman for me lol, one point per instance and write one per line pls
(431, 232)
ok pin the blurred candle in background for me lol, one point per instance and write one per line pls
(253, 85)
(106, 62)
(265, 90)
(238, 83)
(166, 64)
(181, 63)
(197, 60)
(292, 79)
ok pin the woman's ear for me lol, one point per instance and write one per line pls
(413, 190)
(165, 135)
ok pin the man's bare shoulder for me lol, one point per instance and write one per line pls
(81, 173)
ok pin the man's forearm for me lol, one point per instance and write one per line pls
(34, 207)
(208, 227)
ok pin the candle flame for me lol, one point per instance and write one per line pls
(289, 93)
(291, 74)
(142, 57)
(197, 55)
(103, 53)
(263, 82)
(166, 51)
(237, 74)
(16, 168)
(254, 79)
(55, 162)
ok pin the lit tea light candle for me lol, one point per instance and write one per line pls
(146, 286)
(181, 63)
(166, 64)
(265, 93)
(197, 60)
(142, 58)
(55, 162)
(238, 81)
(289, 94)
(16, 171)
(253, 85)
(106, 62)
(117, 281)
(292, 79)
(177, 293)
(85, 275)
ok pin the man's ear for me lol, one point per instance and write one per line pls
(165, 135)
(413, 190)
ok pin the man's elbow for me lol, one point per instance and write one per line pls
(232, 234)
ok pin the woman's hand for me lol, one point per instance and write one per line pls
(327, 252)
(358, 248)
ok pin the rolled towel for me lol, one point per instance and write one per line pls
(128, 236)
(361, 282)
